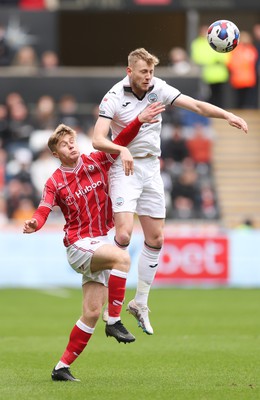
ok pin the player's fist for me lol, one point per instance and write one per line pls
(30, 225)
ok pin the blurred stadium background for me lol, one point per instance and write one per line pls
(57, 60)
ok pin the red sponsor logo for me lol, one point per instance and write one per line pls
(189, 259)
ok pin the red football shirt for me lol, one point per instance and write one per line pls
(82, 193)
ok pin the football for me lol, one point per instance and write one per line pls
(223, 36)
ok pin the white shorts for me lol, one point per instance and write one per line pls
(79, 256)
(141, 193)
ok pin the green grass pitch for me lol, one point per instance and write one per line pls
(206, 346)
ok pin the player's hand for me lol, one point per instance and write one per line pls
(127, 161)
(151, 112)
(30, 225)
(237, 122)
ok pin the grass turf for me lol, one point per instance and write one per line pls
(206, 346)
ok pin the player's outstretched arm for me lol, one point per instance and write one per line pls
(210, 111)
(37, 221)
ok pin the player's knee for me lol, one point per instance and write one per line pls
(122, 238)
(155, 242)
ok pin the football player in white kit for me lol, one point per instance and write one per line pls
(142, 192)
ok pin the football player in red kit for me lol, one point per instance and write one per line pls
(80, 188)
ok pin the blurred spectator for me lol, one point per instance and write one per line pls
(208, 202)
(24, 209)
(15, 191)
(20, 127)
(38, 140)
(12, 99)
(200, 148)
(179, 61)
(49, 60)
(174, 150)
(68, 111)
(246, 225)
(26, 57)
(44, 114)
(5, 50)
(19, 165)
(242, 67)
(185, 194)
(214, 71)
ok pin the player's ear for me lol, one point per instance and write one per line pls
(55, 154)
(128, 70)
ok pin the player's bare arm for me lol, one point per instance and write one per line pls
(211, 111)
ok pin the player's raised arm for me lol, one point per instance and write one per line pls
(210, 111)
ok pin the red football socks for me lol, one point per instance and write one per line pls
(116, 292)
(77, 342)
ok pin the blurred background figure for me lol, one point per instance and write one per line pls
(44, 114)
(243, 71)
(20, 127)
(186, 199)
(68, 112)
(174, 151)
(49, 60)
(214, 71)
(26, 57)
(179, 61)
(200, 149)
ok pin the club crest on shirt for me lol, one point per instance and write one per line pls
(120, 201)
(91, 168)
(152, 97)
(69, 200)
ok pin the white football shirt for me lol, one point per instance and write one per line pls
(122, 106)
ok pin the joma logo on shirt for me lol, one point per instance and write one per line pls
(87, 189)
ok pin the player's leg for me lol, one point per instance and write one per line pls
(151, 212)
(109, 257)
(124, 222)
(147, 267)
(94, 297)
(124, 192)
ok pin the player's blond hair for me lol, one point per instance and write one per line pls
(59, 132)
(142, 54)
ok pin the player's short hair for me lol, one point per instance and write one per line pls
(142, 54)
(59, 132)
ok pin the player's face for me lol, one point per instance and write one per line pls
(140, 75)
(67, 151)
